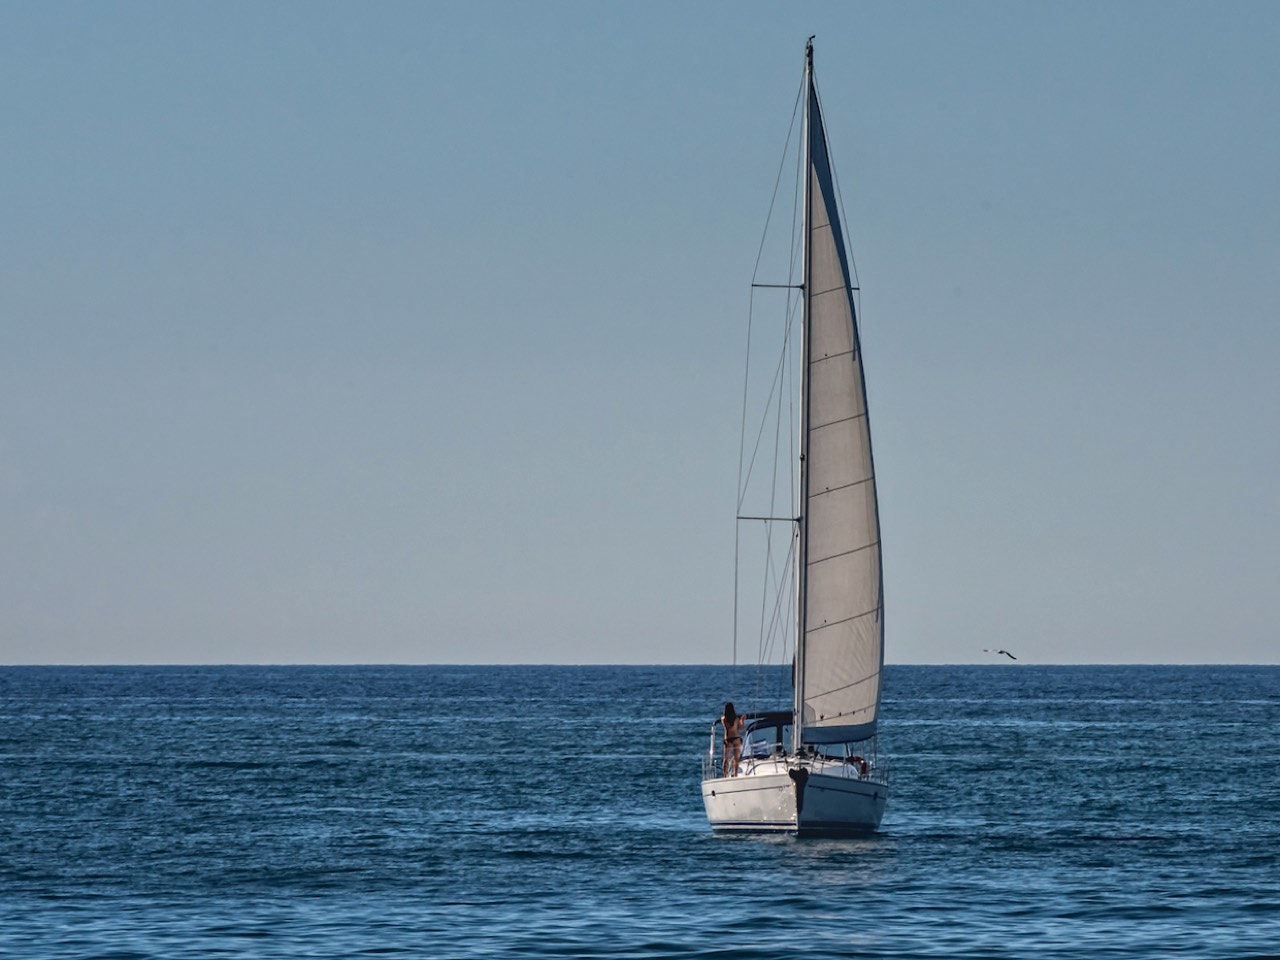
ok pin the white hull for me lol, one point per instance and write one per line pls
(799, 797)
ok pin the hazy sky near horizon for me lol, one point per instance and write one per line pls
(405, 332)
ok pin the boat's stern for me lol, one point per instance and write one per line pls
(760, 800)
(801, 797)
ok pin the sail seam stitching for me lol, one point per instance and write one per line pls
(844, 486)
(836, 623)
(831, 356)
(832, 423)
(855, 683)
(847, 553)
(822, 293)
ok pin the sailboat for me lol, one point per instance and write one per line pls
(813, 769)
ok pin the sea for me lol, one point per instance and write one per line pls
(545, 811)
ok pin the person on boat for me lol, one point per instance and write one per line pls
(733, 727)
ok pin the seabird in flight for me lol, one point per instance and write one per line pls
(1005, 652)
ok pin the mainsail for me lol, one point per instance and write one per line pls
(841, 624)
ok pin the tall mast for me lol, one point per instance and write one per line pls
(802, 515)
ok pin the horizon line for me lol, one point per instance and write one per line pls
(780, 666)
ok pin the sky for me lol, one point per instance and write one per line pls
(414, 333)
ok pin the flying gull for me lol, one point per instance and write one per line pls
(1005, 652)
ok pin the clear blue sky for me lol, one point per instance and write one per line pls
(409, 332)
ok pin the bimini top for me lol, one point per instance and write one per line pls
(813, 736)
(769, 718)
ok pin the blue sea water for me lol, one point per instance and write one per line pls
(208, 812)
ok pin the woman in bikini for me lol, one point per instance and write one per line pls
(733, 727)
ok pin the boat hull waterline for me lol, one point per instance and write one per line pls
(794, 798)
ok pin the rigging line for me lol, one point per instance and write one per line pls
(779, 623)
(776, 632)
(786, 148)
(775, 388)
(780, 378)
(742, 444)
(742, 434)
(782, 593)
(763, 638)
(797, 253)
(778, 584)
(792, 360)
(797, 216)
(793, 417)
(782, 623)
(777, 437)
(764, 599)
(773, 502)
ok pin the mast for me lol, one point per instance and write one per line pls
(802, 512)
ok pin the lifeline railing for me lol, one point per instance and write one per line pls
(709, 766)
(873, 767)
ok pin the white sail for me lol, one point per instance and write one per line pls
(842, 623)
